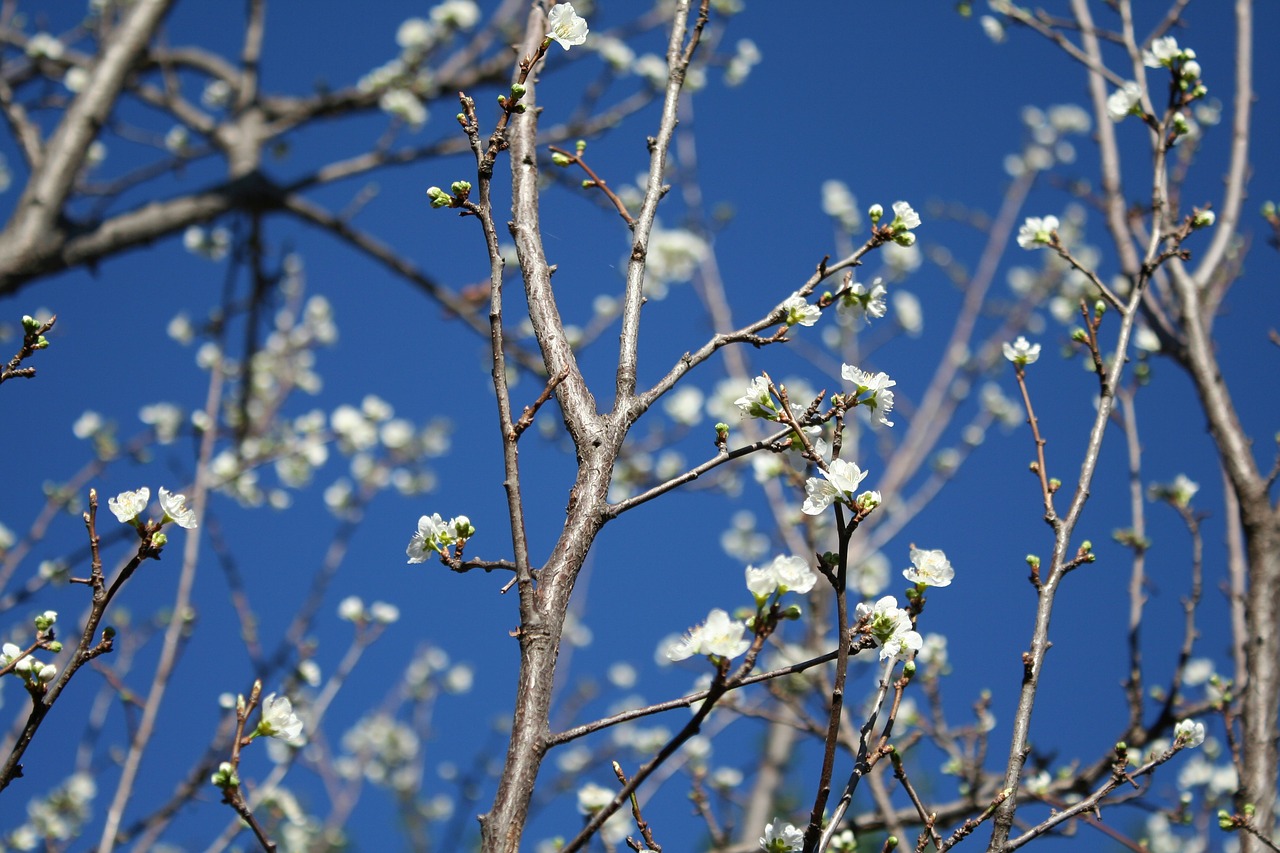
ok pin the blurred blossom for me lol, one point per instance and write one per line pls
(212, 244)
(907, 310)
(744, 59)
(384, 613)
(217, 94)
(742, 541)
(869, 576)
(841, 205)
(674, 255)
(622, 674)
(684, 405)
(44, 45)
(615, 53)
(404, 105)
(165, 418)
(459, 679)
(75, 79)
(652, 68)
(87, 425)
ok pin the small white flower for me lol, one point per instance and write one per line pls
(566, 27)
(781, 838)
(127, 506)
(279, 721)
(1123, 101)
(1037, 231)
(425, 541)
(839, 482)
(758, 402)
(929, 567)
(905, 219)
(1021, 351)
(1163, 52)
(176, 509)
(800, 312)
(718, 635)
(1190, 733)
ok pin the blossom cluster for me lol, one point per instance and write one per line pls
(129, 506)
(31, 671)
(436, 536)
(890, 626)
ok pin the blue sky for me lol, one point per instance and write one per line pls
(896, 101)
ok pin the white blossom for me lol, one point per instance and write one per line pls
(127, 506)
(1037, 231)
(890, 626)
(1189, 733)
(718, 635)
(1021, 351)
(176, 509)
(758, 402)
(799, 311)
(839, 481)
(781, 837)
(1123, 101)
(931, 568)
(279, 721)
(1163, 53)
(566, 27)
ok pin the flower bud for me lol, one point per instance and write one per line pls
(874, 213)
(460, 187)
(560, 160)
(904, 238)
(517, 90)
(30, 323)
(1203, 219)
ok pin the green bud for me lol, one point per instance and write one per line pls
(55, 646)
(460, 187)
(722, 429)
(792, 612)
(225, 776)
(108, 633)
(1054, 484)
(560, 160)
(1033, 561)
(517, 90)
(42, 342)
(1099, 308)
(1268, 210)
(159, 540)
(1226, 822)
(874, 213)
(1203, 219)
(891, 843)
(588, 184)
(909, 668)
(1086, 546)
(441, 201)
(519, 108)
(30, 323)
(461, 117)
(580, 146)
(1249, 809)
(1079, 336)
(502, 100)
(904, 238)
